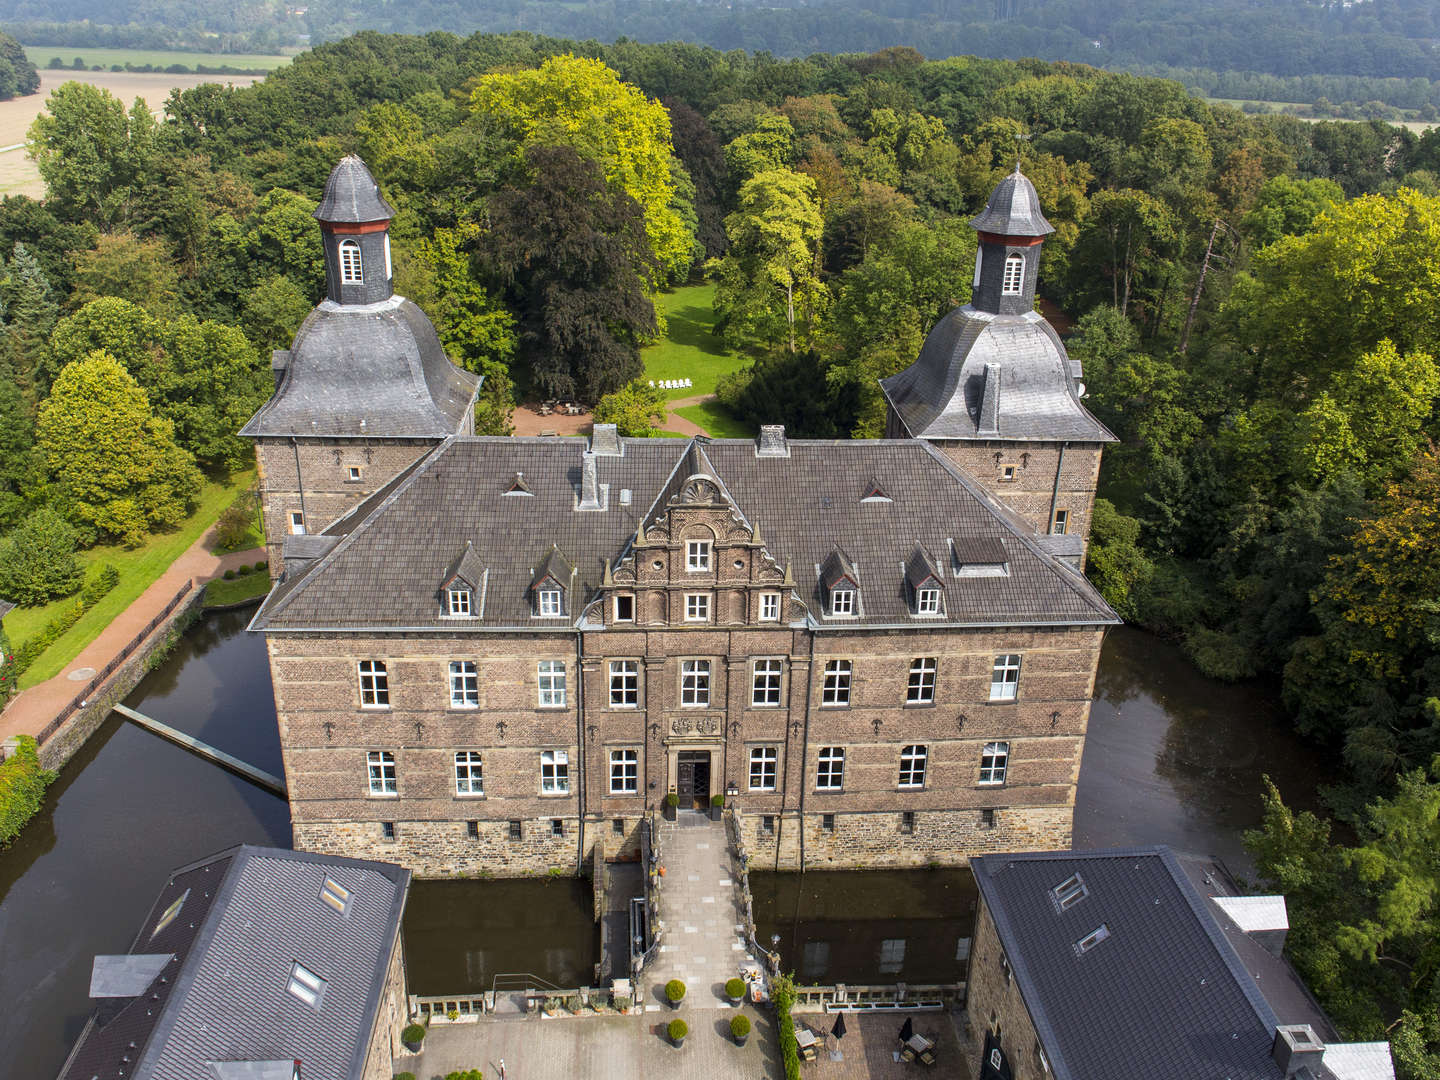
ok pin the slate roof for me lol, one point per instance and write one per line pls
(352, 196)
(250, 913)
(1028, 395)
(1013, 209)
(5, 608)
(373, 370)
(805, 505)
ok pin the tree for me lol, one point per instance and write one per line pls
(122, 264)
(37, 560)
(115, 465)
(1286, 206)
(637, 409)
(1115, 562)
(1126, 229)
(91, 153)
(273, 311)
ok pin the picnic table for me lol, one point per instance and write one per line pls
(806, 1042)
(920, 1046)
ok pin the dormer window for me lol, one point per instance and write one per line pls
(457, 603)
(1014, 275)
(350, 264)
(927, 601)
(548, 603)
(697, 555)
(842, 601)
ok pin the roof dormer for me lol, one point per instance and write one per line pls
(462, 587)
(925, 584)
(841, 586)
(550, 586)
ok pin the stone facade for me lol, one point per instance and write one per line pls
(994, 1003)
(391, 1017)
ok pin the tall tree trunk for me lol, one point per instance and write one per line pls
(1125, 303)
(1199, 286)
(790, 311)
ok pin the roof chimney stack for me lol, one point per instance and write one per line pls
(772, 442)
(592, 495)
(1296, 1047)
(605, 440)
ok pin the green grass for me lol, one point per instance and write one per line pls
(689, 350)
(719, 421)
(250, 587)
(139, 568)
(41, 55)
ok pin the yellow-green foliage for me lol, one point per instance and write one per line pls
(22, 789)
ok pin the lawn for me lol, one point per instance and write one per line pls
(139, 568)
(251, 586)
(41, 55)
(719, 421)
(689, 350)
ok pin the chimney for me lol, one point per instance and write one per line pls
(605, 441)
(592, 495)
(772, 441)
(1263, 919)
(989, 423)
(1297, 1047)
(279, 362)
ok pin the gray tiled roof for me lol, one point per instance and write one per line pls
(5, 608)
(944, 394)
(1013, 209)
(1163, 997)
(352, 196)
(374, 370)
(382, 575)
(250, 913)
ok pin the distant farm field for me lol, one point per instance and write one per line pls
(40, 55)
(18, 175)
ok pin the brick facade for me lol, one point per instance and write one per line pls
(994, 1003)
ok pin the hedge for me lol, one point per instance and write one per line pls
(93, 592)
(782, 993)
(22, 788)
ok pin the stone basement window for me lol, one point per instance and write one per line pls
(907, 823)
(387, 830)
(987, 819)
(827, 822)
(557, 827)
(618, 826)
(517, 830)
(472, 830)
(767, 825)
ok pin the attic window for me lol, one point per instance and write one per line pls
(875, 493)
(336, 895)
(1014, 274)
(1070, 892)
(459, 603)
(548, 603)
(168, 915)
(350, 271)
(842, 601)
(1090, 940)
(519, 487)
(927, 601)
(306, 985)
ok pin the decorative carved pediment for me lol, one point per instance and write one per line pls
(699, 489)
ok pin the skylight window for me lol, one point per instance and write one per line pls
(1090, 940)
(336, 895)
(1070, 892)
(306, 985)
(168, 915)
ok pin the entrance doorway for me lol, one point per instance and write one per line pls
(692, 779)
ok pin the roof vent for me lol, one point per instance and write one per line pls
(874, 492)
(1297, 1047)
(336, 895)
(605, 440)
(772, 441)
(1093, 938)
(518, 486)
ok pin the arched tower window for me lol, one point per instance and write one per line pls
(1014, 274)
(350, 271)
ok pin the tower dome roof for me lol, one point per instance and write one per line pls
(1013, 209)
(352, 196)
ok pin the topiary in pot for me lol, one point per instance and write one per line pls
(735, 990)
(412, 1037)
(404, 1076)
(740, 1029)
(675, 992)
(677, 1030)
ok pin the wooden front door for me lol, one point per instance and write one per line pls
(692, 779)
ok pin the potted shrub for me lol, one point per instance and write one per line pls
(621, 1003)
(735, 990)
(412, 1037)
(717, 804)
(573, 1004)
(677, 1031)
(740, 1028)
(672, 804)
(675, 992)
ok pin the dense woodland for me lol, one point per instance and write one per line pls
(1255, 301)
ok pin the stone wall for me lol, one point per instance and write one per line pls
(994, 1002)
(390, 1018)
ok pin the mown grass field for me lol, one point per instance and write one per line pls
(251, 586)
(139, 568)
(689, 349)
(41, 55)
(719, 421)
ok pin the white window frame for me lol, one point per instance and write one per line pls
(764, 767)
(830, 769)
(464, 684)
(624, 684)
(695, 684)
(914, 762)
(469, 773)
(306, 985)
(927, 601)
(352, 263)
(765, 678)
(354, 472)
(1061, 522)
(616, 607)
(920, 690)
(548, 604)
(699, 556)
(697, 607)
(770, 607)
(297, 523)
(1013, 280)
(550, 675)
(1005, 677)
(554, 772)
(842, 602)
(380, 768)
(458, 604)
(374, 684)
(839, 676)
(994, 764)
(624, 772)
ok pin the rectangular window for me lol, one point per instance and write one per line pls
(767, 825)
(1014, 274)
(382, 772)
(464, 685)
(769, 607)
(624, 772)
(837, 683)
(554, 772)
(306, 985)
(695, 682)
(827, 822)
(697, 555)
(549, 603)
(459, 603)
(350, 271)
(374, 685)
(927, 602)
(624, 609)
(1005, 677)
(551, 674)
(987, 819)
(1061, 522)
(387, 830)
(907, 823)
(1007, 472)
(765, 683)
(624, 684)
(517, 829)
(354, 472)
(912, 766)
(762, 767)
(618, 826)
(472, 830)
(831, 774)
(994, 760)
(697, 607)
(842, 602)
(557, 826)
(469, 775)
(921, 688)
(297, 523)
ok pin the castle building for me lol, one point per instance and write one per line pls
(502, 657)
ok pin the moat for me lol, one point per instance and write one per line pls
(1171, 758)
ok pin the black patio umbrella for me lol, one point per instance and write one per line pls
(839, 1029)
(908, 1031)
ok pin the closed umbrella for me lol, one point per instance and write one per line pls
(908, 1031)
(839, 1029)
